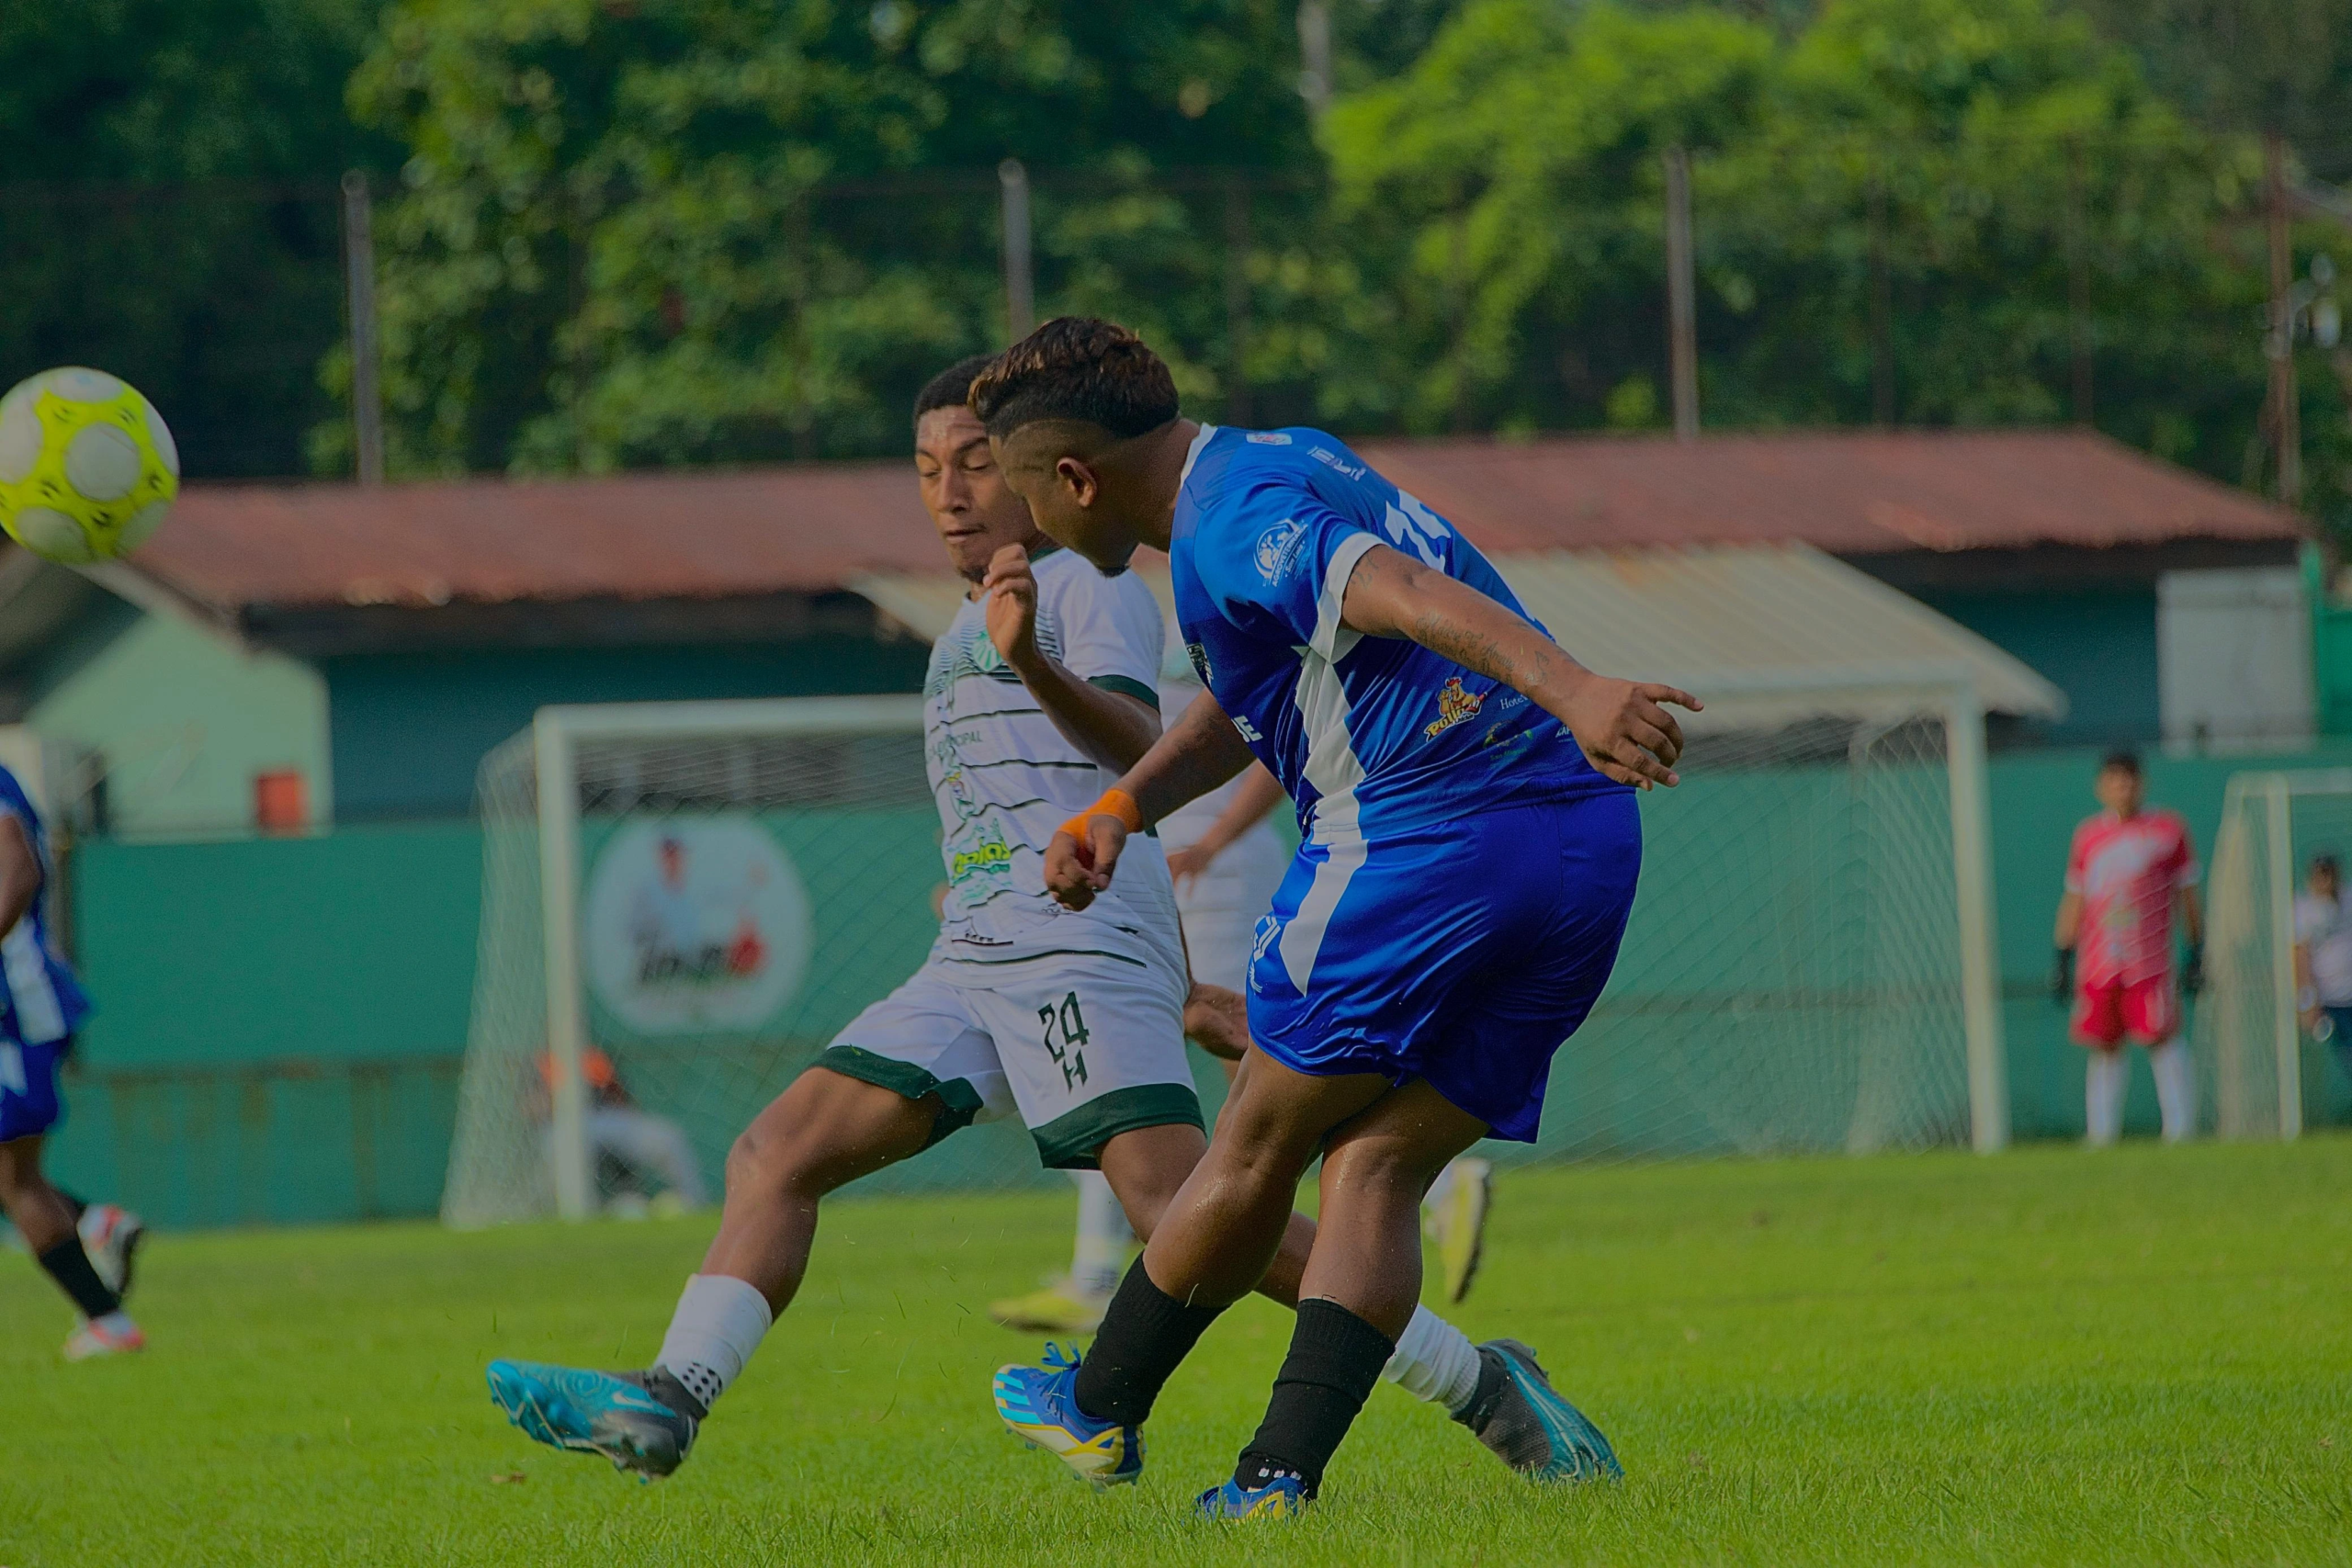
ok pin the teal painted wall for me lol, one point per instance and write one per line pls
(281, 1020)
(183, 719)
(2098, 649)
(410, 729)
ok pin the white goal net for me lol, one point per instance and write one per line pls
(711, 890)
(2249, 1039)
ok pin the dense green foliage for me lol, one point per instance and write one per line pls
(167, 213)
(628, 232)
(2053, 1357)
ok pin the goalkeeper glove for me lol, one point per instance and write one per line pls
(2192, 969)
(2062, 976)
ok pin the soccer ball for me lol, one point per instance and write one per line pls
(88, 469)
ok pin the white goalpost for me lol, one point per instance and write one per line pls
(2249, 1036)
(700, 895)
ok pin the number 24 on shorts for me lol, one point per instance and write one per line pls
(1065, 1033)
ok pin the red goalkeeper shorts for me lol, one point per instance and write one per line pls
(2146, 1010)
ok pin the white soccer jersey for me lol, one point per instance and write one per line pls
(1005, 778)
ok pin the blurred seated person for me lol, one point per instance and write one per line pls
(630, 1146)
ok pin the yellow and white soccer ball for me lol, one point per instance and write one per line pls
(88, 469)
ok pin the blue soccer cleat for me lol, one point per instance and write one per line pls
(1523, 1419)
(614, 1414)
(1283, 1498)
(1040, 1404)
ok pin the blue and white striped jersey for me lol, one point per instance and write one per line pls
(1363, 731)
(44, 1001)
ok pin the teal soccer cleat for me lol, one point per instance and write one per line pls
(1520, 1415)
(1040, 1404)
(643, 1422)
(1283, 1498)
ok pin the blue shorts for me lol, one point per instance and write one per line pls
(29, 1102)
(1464, 952)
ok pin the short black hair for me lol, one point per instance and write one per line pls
(2326, 861)
(1079, 368)
(952, 387)
(2122, 761)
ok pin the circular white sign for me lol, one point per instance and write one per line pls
(695, 925)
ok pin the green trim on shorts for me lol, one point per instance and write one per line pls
(1074, 1141)
(1127, 686)
(959, 1100)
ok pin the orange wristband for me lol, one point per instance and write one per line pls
(1115, 803)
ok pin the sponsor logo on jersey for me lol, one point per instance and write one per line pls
(1455, 706)
(989, 853)
(1332, 461)
(1278, 548)
(1267, 438)
(1199, 655)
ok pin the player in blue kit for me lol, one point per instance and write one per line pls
(87, 1249)
(1470, 852)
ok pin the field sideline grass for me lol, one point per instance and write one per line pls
(2143, 1356)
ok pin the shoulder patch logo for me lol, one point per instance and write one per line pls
(1267, 438)
(1278, 549)
(1455, 706)
(1199, 654)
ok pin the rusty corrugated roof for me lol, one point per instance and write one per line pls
(655, 535)
(1846, 493)
(818, 528)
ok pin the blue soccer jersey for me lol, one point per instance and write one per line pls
(1363, 732)
(44, 1002)
(1464, 875)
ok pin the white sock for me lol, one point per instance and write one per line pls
(2103, 1083)
(1434, 1360)
(2176, 1088)
(718, 1323)
(115, 1322)
(1103, 1237)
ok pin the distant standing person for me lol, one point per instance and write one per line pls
(86, 1248)
(2323, 958)
(2130, 866)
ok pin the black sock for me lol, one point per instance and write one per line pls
(70, 1266)
(1145, 1333)
(1335, 1357)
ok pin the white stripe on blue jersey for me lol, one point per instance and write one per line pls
(44, 1002)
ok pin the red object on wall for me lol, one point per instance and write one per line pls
(281, 801)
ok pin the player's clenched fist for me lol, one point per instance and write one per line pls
(1011, 589)
(1075, 872)
(1624, 730)
(1084, 852)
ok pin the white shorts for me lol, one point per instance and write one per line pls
(1221, 907)
(1083, 1048)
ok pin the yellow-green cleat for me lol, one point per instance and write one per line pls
(1456, 1222)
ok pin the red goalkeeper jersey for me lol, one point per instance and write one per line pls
(2127, 873)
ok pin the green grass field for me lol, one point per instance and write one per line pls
(2052, 1357)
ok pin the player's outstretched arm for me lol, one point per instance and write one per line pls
(1623, 729)
(1111, 728)
(1199, 752)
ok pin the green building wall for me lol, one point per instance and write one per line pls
(184, 719)
(281, 1020)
